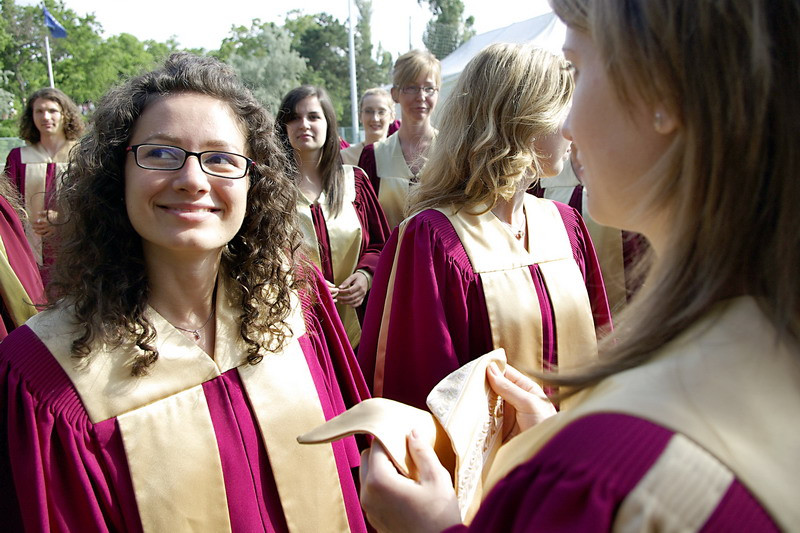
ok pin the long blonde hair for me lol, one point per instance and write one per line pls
(728, 71)
(507, 95)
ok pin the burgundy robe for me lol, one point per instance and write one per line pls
(61, 472)
(439, 317)
(579, 480)
(374, 228)
(22, 262)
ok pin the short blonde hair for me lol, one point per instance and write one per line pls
(413, 64)
(507, 95)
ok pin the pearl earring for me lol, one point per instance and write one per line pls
(657, 122)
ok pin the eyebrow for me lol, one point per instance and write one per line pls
(159, 138)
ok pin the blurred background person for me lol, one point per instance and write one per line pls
(20, 283)
(480, 264)
(185, 346)
(342, 222)
(50, 125)
(376, 113)
(394, 163)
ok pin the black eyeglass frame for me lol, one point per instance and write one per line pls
(134, 148)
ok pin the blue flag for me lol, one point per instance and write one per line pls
(56, 29)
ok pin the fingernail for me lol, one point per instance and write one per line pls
(413, 434)
(494, 369)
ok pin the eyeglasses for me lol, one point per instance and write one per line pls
(166, 157)
(414, 90)
(380, 112)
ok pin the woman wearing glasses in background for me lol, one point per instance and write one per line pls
(376, 113)
(184, 347)
(394, 163)
(342, 222)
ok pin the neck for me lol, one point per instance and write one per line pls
(511, 211)
(415, 132)
(182, 289)
(52, 143)
(371, 137)
(308, 162)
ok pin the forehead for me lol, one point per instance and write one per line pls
(376, 101)
(183, 117)
(46, 103)
(309, 104)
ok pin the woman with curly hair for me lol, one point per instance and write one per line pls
(50, 126)
(481, 264)
(343, 223)
(184, 346)
(687, 121)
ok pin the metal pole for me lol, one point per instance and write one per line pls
(49, 63)
(353, 88)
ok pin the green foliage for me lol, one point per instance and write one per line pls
(447, 30)
(257, 54)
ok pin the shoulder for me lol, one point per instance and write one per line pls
(29, 366)
(432, 229)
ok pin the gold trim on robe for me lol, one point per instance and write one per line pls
(17, 300)
(352, 153)
(167, 429)
(502, 262)
(729, 384)
(345, 238)
(607, 241)
(36, 159)
(396, 178)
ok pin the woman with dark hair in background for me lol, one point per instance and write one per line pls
(50, 125)
(342, 221)
(185, 346)
(687, 122)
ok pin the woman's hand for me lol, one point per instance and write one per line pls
(526, 402)
(334, 290)
(42, 225)
(353, 290)
(392, 502)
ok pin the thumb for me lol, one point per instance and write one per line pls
(429, 468)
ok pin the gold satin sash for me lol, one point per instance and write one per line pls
(396, 178)
(345, 237)
(607, 241)
(726, 384)
(511, 299)
(167, 430)
(16, 298)
(36, 161)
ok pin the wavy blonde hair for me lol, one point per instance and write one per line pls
(727, 70)
(507, 96)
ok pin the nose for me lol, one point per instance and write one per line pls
(191, 178)
(566, 127)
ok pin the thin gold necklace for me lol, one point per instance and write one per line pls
(196, 332)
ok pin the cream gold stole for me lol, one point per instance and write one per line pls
(167, 431)
(36, 161)
(17, 300)
(511, 299)
(345, 237)
(396, 178)
(727, 384)
(607, 241)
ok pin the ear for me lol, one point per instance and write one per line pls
(395, 95)
(664, 121)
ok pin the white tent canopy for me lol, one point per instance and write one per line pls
(545, 31)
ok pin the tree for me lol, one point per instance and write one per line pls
(263, 57)
(447, 30)
(371, 71)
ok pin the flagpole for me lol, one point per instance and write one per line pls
(49, 63)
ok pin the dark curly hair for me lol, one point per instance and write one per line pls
(73, 122)
(100, 269)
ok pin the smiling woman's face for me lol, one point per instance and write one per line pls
(186, 211)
